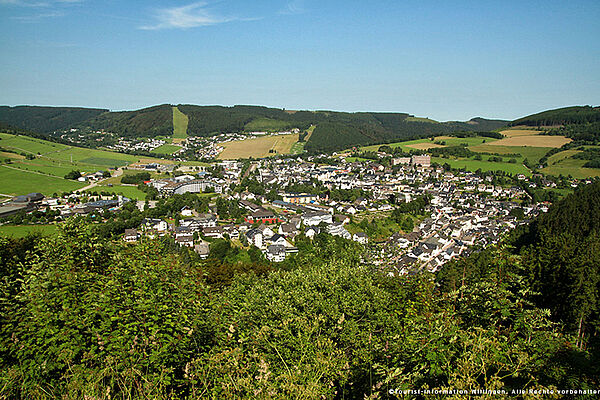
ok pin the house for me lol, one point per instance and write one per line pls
(312, 231)
(213, 232)
(275, 253)
(337, 229)
(185, 240)
(131, 235)
(202, 249)
(266, 231)
(360, 237)
(255, 237)
(187, 211)
(278, 239)
(154, 224)
(263, 216)
(314, 218)
(288, 230)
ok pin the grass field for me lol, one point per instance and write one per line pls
(166, 149)
(131, 192)
(571, 166)
(16, 182)
(555, 158)
(258, 147)
(180, 124)
(19, 231)
(533, 154)
(474, 165)
(56, 160)
(266, 124)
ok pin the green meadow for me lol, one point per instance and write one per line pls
(166, 149)
(180, 124)
(19, 231)
(16, 182)
(571, 166)
(53, 161)
(484, 165)
(131, 192)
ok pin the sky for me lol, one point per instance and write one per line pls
(494, 59)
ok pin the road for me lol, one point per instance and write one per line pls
(118, 173)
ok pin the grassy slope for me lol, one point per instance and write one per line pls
(54, 159)
(180, 124)
(16, 182)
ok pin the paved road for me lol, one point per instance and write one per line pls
(118, 172)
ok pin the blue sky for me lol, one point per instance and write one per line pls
(497, 59)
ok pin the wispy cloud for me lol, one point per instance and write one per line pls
(293, 7)
(39, 10)
(185, 17)
(39, 16)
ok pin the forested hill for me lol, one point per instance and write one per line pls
(561, 116)
(46, 120)
(376, 128)
(334, 130)
(150, 122)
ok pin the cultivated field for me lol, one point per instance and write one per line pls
(180, 124)
(533, 141)
(519, 131)
(258, 147)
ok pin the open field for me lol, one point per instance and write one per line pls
(16, 182)
(533, 154)
(258, 147)
(484, 165)
(53, 161)
(131, 192)
(421, 143)
(573, 167)
(533, 141)
(19, 231)
(166, 149)
(180, 124)
(519, 131)
(555, 158)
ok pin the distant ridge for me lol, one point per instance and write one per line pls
(334, 130)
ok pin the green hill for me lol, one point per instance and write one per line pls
(561, 116)
(334, 130)
(46, 119)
